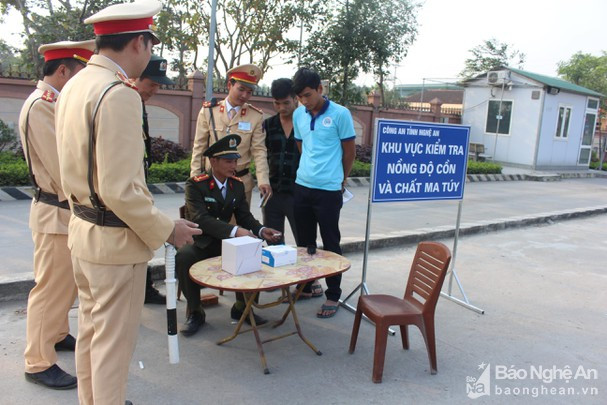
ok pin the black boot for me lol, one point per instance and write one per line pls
(193, 322)
(236, 314)
(152, 295)
(68, 344)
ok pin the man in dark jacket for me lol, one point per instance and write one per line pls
(211, 200)
(148, 85)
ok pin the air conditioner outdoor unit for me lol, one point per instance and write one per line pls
(498, 77)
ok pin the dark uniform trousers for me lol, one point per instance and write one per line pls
(279, 206)
(312, 208)
(206, 206)
(185, 258)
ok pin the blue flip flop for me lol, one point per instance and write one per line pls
(324, 307)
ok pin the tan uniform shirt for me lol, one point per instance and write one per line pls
(44, 218)
(118, 170)
(247, 123)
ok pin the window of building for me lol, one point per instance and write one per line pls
(593, 104)
(496, 117)
(562, 127)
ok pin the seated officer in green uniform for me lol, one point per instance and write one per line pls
(211, 200)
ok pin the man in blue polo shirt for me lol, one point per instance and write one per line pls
(325, 137)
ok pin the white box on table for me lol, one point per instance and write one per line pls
(241, 255)
(279, 255)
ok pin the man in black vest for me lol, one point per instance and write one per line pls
(148, 84)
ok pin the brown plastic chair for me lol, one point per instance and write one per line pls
(426, 278)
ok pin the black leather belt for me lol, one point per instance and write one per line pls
(51, 199)
(243, 172)
(98, 217)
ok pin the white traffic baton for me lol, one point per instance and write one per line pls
(171, 297)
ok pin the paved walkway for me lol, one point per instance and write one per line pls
(542, 289)
(486, 206)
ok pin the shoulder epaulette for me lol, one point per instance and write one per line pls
(200, 177)
(206, 104)
(236, 178)
(49, 96)
(128, 82)
(259, 110)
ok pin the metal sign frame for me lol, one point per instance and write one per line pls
(362, 286)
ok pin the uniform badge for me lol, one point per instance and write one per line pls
(243, 112)
(244, 126)
(256, 109)
(48, 96)
(221, 108)
(327, 121)
(200, 177)
(232, 143)
(210, 199)
(126, 80)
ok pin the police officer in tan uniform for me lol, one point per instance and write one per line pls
(53, 295)
(115, 226)
(235, 115)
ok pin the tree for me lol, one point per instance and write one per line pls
(180, 31)
(8, 138)
(389, 41)
(255, 31)
(361, 35)
(489, 55)
(586, 70)
(7, 56)
(47, 21)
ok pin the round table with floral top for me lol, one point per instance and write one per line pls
(308, 267)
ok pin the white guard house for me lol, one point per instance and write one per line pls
(529, 120)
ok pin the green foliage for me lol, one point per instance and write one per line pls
(489, 55)
(60, 21)
(8, 138)
(586, 70)
(595, 166)
(360, 36)
(13, 170)
(360, 169)
(164, 150)
(169, 172)
(483, 167)
(7, 56)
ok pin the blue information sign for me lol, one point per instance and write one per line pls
(419, 161)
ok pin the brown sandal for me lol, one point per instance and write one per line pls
(316, 290)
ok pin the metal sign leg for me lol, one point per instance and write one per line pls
(453, 275)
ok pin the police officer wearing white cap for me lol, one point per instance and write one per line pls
(54, 292)
(115, 227)
(235, 115)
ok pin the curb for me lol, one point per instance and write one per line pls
(25, 192)
(18, 288)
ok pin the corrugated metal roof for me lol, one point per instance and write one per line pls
(548, 81)
(555, 82)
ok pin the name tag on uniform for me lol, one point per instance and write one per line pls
(209, 199)
(244, 126)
